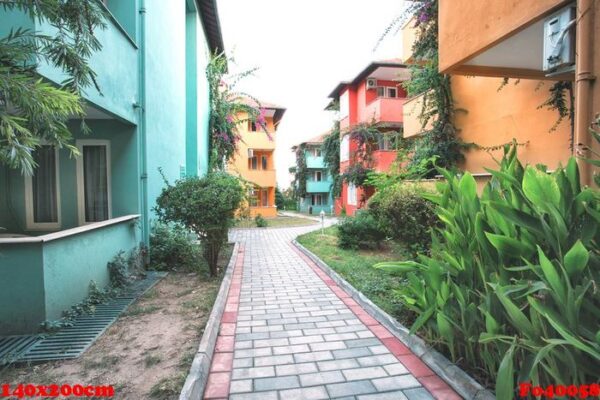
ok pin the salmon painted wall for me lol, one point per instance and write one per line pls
(495, 117)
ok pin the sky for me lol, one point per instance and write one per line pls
(302, 50)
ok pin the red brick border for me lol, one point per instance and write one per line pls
(438, 388)
(219, 377)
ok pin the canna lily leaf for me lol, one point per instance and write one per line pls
(399, 267)
(517, 317)
(423, 318)
(508, 245)
(576, 259)
(505, 383)
(540, 188)
(551, 275)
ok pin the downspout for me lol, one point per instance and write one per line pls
(583, 85)
(142, 125)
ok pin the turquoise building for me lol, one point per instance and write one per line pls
(318, 183)
(63, 224)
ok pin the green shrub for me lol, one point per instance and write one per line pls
(404, 214)
(118, 270)
(206, 206)
(260, 221)
(360, 232)
(172, 247)
(511, 287)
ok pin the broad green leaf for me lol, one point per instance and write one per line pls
(399, 267)
(540, 188)
(576, 259)
(517, 317)
(468, 186)
(421, 320)
(508, 245)
(551, 275)
(505, 382)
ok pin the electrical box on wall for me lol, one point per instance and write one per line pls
(559, 41)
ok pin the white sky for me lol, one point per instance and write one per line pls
(303, 49)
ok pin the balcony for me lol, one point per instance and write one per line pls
(318, 186)
(314, 162)
(261, 177)
(493, 38)
(384, 110)
(411, 113)
(118, 80)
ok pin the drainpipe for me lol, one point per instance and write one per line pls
(142, 124)
(583, 84)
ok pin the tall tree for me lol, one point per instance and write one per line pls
(33, 110)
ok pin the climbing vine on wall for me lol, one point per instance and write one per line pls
(301, 171)
(331, 157)
(228, 110)
(440, 141)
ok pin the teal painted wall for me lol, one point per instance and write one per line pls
(88, 255)
(21, 288)
(124, 182)
(191, 91)
(165, 93)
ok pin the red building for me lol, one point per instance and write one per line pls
(375, 97)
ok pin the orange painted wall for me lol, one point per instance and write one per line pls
(493, 118)
(467, 27)
(262, 144)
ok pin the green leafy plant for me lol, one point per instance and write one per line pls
(279, 199)
(172, 247)
(331, 158)
(300, 171)
(228, 110)
(118, 270)
(510, 287)
(33, 110)
(206, 206)
(360, 232)
(404, 214)
(260, 221)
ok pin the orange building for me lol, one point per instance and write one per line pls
(489, 116)
(255, 160)
(543, 39)
(375, 97)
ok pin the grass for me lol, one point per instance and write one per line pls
(277, 222)
(355, 266)
(151, 360)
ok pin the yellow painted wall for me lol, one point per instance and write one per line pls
(261, 143)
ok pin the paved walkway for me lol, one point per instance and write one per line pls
(289, 332)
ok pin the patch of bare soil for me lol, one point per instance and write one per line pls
(147, 352)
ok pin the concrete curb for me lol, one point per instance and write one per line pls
(459, 380)
(195, 382)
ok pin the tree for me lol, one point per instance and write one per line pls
(279, 199)
(206, 206)
(33, 110)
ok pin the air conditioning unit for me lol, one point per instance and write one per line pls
(371, 83)
(559, 41)
(250, 153)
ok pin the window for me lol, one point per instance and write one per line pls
(318, 176)
(93, 180)
(317, 200)
(265, 197)
(317, 152)
(391, 92)
(351, 194)
(345, 148)
(385, 91)
(384, 143)
(253, 196)
(42, 193)
(253, 162)
(380, 91)
(252, 126)
(344, 105)
(264, 162)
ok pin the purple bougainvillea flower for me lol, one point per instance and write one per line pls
(229, 119)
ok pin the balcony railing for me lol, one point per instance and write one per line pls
(384, 110)
(412, 112)
(314, 162)
(261, 177)
(318, 186)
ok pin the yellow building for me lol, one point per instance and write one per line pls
(255, 160)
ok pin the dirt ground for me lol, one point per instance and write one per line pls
(147, 352)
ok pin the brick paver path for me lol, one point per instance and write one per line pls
(289, 332)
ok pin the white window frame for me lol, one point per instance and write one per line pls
(315, 174)
(345, 148)
(351, 195)
(344, 100)
(80, 186)
(29, 222)
(388, 89)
